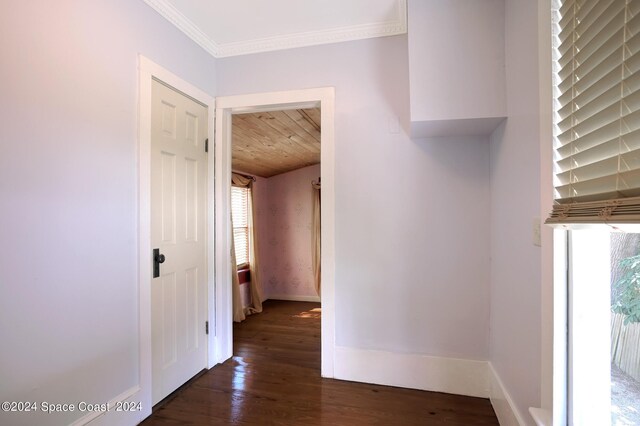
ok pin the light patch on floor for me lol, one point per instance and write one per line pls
(313, 313)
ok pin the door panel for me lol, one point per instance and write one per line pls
(168, 320)
(191, 200)
(168, 194)
(178, 229)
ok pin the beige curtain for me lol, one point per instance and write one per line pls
(255, 289)
(238, 310)
(315, 240)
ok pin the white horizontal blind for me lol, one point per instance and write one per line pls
(240, 212)
(597, 161)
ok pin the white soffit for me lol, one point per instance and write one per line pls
(229, 28)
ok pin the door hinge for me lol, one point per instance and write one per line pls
(206, 145)
(206, 327)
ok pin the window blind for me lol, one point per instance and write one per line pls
(240, 212)
(597, 132)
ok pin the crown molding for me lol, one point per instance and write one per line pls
(289, 41)
(173, 15)
(311, 38)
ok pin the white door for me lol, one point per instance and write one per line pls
(178, 230)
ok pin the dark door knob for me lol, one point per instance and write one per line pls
(157, 260)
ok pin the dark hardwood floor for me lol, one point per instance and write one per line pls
(274, 379)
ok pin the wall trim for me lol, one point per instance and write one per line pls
(173, 15)
(293, 298)
(109, 417)
(314, 38)
(414, 371)
(506, 410)
(288, 41)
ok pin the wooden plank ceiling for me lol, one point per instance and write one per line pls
(270, 143)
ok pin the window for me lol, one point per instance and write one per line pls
(597, 152)
(604, 328)
(240, 215)
(597, 181)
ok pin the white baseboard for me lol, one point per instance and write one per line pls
(294, 298)
(449, 375)
(541, 416)
(506, 411)
(115, 415)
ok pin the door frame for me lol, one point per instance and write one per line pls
(226, 106)
(147, 72)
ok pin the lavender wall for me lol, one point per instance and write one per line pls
(68, 179)
(412, 241)
(515, 202)
(463, 77)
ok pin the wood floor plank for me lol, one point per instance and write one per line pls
(274, 379)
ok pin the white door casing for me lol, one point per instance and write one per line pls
(142, 391)
(226, 106)
(219, 288)
(178, 230)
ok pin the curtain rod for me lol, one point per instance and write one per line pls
(253, 178)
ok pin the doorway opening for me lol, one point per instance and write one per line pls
(263, 112)
(280, 152)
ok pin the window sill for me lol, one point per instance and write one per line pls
(244, 275)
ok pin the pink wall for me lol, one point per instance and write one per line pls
(286, 252)
(284, 210)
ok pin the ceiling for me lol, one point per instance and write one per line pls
(229, 28)
(266, 144)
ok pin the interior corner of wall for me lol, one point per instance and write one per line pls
(503, 405)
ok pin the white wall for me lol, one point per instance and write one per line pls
(411, 215)
(456, 60)
(515, 202)
(68, 183)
